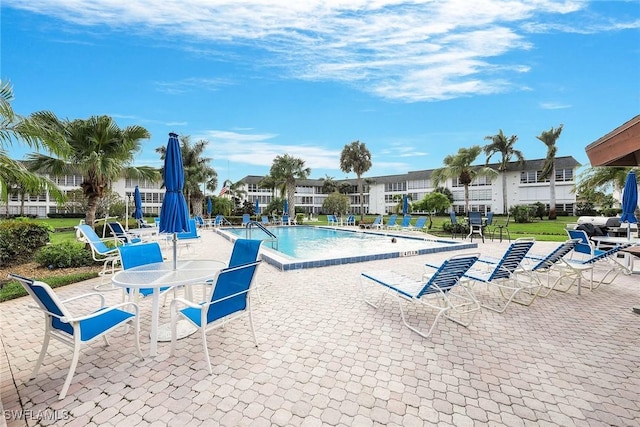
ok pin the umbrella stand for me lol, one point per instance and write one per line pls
(175, 251)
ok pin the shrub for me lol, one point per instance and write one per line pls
(20, 239)
(64, 255)
(520, 213)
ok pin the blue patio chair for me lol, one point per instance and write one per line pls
(143, 224)
(456, 227)
(74, 331)
(502, 274)
(120, 235)
(404, 225)
(265, 220)
(230, 300)
(376, 224)
(100, 252)
(332, 220)
(199, 221)
(476, 226)
(549, 267)
(489, 220)
(185, 239)
(436, 291)
(420, 225)
(137, 255)
(606, 263)
(351, 220)
(391, 222)
(246, 219)
(585, 246)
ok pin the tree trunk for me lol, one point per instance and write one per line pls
(291, 198)
(552, 194)
(92, 205)
(505, 208)
(466, 199)
(360, 191)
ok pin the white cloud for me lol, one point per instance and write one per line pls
(408, 50)
(553, 106)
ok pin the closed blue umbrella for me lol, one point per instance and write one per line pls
(405, 204)
(137, 199)
(257, 208)
(285, 208)
(209, 207)
(174, 216)
(629, 201)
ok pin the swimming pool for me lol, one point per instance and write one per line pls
(309, 247)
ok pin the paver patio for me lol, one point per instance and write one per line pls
(327, 358)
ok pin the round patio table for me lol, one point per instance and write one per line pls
(162, 274)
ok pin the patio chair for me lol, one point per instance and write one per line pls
(332, 220)
(376, 224)
(265, 220)
(100, 252)
(75, 330)
(456, 227)
(199, 221)
(187, 238)
(351, 220)
(120, 235)
(143, 224)
(391, 222)
(489, 220)
(502, 274)
(536, 267)
(230, 300)
(141, 254)
(605, 262)
(246, 219)
(500, 227)
(585, 246)
(420, 225)
(406, 222)
(436, 290)
(476, 226)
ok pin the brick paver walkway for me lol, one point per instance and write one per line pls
(326, 358)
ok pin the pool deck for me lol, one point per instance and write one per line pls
(327, 358)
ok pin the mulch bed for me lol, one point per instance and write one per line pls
(33, 270)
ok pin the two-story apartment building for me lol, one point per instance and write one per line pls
(524, 186)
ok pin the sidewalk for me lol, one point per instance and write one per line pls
(326, 358)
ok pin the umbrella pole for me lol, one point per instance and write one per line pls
(175, 251)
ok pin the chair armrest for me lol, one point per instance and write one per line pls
(92, 294)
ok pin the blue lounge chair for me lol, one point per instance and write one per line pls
(502, 274)
(377, 223)
(72, 330)
(436, 290)
(404, 225)
(265, 220)
(120, 235)
(537, 267)
(230, 300)
(420, 225)
(246, 219)
(391, 222)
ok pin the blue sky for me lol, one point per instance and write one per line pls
(413, 80)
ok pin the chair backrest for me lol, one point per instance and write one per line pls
(556, 255)
(449, 273)
(606, 254)
(199, 220)
(392, 220)
(406, 221)
(47, 301)
(475, 218)
(192, 233)
(218, 220)
(351, 219)
(244, 251)
(378, 220)
(489, 218)
(97, 245)
(140, 254)
(420, 223)
(285, 219)
(452, 215)
(512, 258)
(119, 232)
(246, 218)
(231, 290)
(265, 219)
(584, 245)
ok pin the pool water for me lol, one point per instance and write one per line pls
(307, 247)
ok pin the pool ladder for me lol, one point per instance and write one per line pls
(273, 240)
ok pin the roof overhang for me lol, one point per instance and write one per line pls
(620, 147)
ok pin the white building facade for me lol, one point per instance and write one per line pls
(381, 193)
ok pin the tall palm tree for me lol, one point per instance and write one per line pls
(196, 171)
(503, 145)
(289, 169)
(329, 185)
(459, 166)
(549, 138)
(100, 151)
(33, 133)
(356, 157)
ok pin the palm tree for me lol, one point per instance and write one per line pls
(459, 166)
(503, 145)
(196, 171)
(288, 169)
(329, 185)
(100, 151)
(357, 158)
(603, 176)
(234, 190)
(549, 139)
(32, 132)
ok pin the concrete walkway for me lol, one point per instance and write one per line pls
(327, 358)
